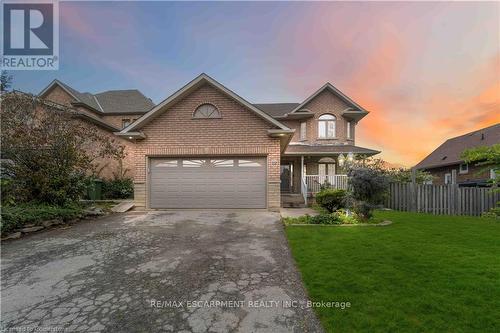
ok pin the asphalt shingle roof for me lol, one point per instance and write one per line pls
(277, 109)
(332, 149)
(124, 101)
(113, 101)
(449, 152)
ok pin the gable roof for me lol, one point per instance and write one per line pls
(449, 152)
(75, 113)
(107, 102)
(184, 91)
(355, 110)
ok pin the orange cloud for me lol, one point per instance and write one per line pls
(407, 133)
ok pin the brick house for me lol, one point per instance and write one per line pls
(207, 147)
(107, 112)
(445, 160)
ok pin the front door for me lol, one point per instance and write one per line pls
(286, 177)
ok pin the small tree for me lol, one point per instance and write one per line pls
(5, 81)
(403, 175)
(50, 151)
(369, 189)
(486, 156)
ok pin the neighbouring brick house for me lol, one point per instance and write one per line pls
(207, 147)
(445, 161)
(108, 112)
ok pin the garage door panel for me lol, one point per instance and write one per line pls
(236, 182)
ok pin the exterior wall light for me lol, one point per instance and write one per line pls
(341, 159)
(350, 157)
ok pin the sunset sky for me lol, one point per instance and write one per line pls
(425, 71)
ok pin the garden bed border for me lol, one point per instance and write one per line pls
(381, 224)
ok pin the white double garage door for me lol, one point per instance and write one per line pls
(202, 182)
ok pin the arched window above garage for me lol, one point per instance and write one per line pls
(207, 111)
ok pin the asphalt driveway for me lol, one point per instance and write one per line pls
(192, 271)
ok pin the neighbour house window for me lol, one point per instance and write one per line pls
(303, 129)
(447, 178)
(326, 126)
(350, 128)
(205, 111)
(493, 174)
(464, 168)
(125, 122)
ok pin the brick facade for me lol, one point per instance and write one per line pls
(107, 168)
(117, 120)
(238, 133)
(475, 173)
(325, 102)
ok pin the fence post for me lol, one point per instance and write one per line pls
(413, 189)
(454, 186)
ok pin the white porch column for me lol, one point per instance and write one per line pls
(301, 167)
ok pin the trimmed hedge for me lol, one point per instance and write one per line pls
(331, 199)
(14, 217)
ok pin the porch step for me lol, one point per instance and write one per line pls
(292, 200)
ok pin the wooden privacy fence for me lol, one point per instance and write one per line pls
(441, 199)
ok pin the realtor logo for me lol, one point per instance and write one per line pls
(30, 35)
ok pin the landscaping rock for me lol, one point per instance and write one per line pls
(31, 229)
(49, 223)
(96, 211)
(14, 235)
(386, 222)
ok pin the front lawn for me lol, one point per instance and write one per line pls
(423, 273)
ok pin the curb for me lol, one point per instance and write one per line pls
(381, 224)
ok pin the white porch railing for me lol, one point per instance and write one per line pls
(314, 182)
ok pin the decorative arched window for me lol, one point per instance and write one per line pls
(206, 111)
(326, 126)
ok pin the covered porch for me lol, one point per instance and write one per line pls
(305, 169)
(299, 174)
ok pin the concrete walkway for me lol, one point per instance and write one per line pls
(195, 271)
(296, 212)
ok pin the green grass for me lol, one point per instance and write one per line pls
(423, 273)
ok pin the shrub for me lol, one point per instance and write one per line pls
(331, 199)
(304, 219)
(331, 218)
(13, 217)
(493, 212)
(369, 189)
(348, 217)
(363, 209)
(368, 185)
(118, 189)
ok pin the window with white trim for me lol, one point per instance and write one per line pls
(464, 168)
(447, 178)
(206, 111)
(125, 122)
(493, 174)
(326, 126)
(303, 131)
